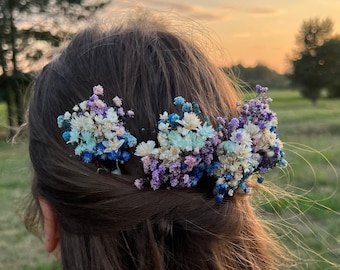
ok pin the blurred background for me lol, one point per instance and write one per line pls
(293, 47)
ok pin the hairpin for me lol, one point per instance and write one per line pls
(188, 147)
(97, 130)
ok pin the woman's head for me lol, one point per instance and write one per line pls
(103, 221)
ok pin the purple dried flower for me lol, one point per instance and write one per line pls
(239, 137)
(261, 89)
(94, 97)
(117, 101)
(139, 183)
(100, 111)
(120, 111)
(154, 184)
(175, 167)
(154, 164)
(221, 120)
(130, 113)
(233, 124)
(263, 169)
(146, 164)
(190, 161)
(186, 180)
(262, 125)
(174, 182)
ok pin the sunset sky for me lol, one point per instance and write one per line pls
(249, 31)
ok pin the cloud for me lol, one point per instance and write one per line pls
(255, 11)
(193, 11)
(210, 16)
(182, 7)
(264, 11)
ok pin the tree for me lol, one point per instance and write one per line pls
(28, 28)
(329, 60)
(306, 67)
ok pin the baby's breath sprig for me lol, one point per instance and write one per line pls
(97, 130)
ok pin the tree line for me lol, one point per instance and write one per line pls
(259, 74)
(29, 28)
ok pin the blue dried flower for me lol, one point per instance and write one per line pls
(125, 156)
(260, 179)
(131, 140)
(179, 100)
(113, 155)
(173, 118)
(60, 121)
(187, 107)
(66, 136)
(87, 157)
(196, 108)
(219, 197)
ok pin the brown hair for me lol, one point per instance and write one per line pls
(105, 222)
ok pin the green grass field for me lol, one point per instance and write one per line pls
(308, 223)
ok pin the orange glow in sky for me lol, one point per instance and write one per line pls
(249, 31)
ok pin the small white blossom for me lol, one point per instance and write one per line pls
(67, 116)
(112, 145)
(98, 90)
(83, 105)
(253, 130)
(220, 181)
(164, 116)
(189, 122)
(242, 151)
(270, 154)
(162, 139)
(145, 148)
(120, 130)
(75, 108)
(163, 127)
(241, 136)
(112, 115)
(171, 154)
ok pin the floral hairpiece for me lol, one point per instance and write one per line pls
(188, 147)
(98, 130)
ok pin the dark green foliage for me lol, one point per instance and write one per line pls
(23, 24)
(260, 74)
(317, 62)
(329, 58)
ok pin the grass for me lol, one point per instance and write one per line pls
(307, 222)
(3, 120)
(19, 250)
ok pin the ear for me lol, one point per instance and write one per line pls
(50, 226)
